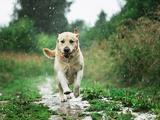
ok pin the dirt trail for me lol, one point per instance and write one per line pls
(72, 108)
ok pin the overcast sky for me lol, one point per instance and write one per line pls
(86, 10)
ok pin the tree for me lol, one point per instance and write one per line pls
(47, 15)
(101, 19)
(79, 24)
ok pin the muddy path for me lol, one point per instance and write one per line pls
(75, 108)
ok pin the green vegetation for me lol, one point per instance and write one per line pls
(19, 78)
(139, 58)
(48, 16)
(129, 54)
(20, 105)
(19, 36)
(46, 41)
(140, 99)
(122, 60)
(22, 65)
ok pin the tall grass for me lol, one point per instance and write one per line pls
(99, 65)
(22, 65)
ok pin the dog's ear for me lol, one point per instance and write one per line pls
(49, 53)
(75, 31)
(58, 34)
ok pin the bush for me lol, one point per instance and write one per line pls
(98, 63)
(136, 8)
(137, 50)
(46, 41)
(18, 36)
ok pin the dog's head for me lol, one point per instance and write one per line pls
(67, 43)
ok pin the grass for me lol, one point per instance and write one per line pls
(98, 63)
(22, 73)
(19, 78)
(21, 65)
(23, 109)
(140, 99)
(20, 95)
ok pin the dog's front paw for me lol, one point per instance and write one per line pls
(69, 96)
(63, 98)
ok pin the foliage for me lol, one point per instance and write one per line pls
(137, 50)
(46, 41)
(78, 24)
(132, 10)
(132, 50)
(101, 19)
(98, 57)
(136, 8)
(18, 36)
(49, 15)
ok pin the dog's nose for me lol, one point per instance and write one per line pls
(66, 50)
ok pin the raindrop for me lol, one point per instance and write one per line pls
(34, 8)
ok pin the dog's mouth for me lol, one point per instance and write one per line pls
(66, 55)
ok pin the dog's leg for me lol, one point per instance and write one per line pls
(62, 96)
(77, 83)
(63, 81)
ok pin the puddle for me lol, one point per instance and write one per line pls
(72, 108)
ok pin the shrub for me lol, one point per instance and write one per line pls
(46, 41)
(98, 63)
(137, 50)
(18, 36)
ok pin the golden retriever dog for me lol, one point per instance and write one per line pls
(68, 64)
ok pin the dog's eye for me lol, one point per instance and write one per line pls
(71, 41)
(62, 41)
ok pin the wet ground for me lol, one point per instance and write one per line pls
(74, 107)
(71, 109)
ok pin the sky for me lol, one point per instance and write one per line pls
(86, 10)
(89, 10)
(6, 11)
